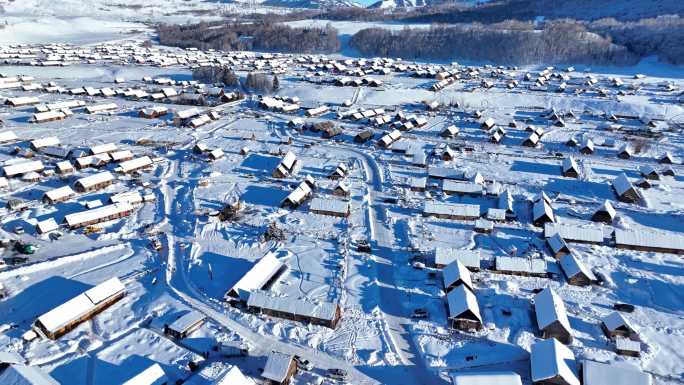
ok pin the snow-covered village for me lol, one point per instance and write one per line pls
(183, 215)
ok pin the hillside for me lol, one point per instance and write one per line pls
(552, 9)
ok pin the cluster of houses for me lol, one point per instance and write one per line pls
(95, 157)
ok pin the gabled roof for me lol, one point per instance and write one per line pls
(454, 272)
(540, 209)
(622, 184)
(186, 321)
(277, 365)
(550, 359)
(572, 266)
(462, 300)
(607, 207)
(549, 308)
(616, 320)
(557, 244)
(260, 273)
(570, 164)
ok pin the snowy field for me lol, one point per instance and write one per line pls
(175, 252)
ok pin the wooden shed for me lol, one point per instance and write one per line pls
(463, 309)
(552, 318)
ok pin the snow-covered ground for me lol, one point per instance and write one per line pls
(377, 339)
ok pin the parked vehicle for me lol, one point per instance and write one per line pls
(339, 374)
(420, 313)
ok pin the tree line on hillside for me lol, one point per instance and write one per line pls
(605, 41)
(662, 36)
(506, 43)
(256, 36)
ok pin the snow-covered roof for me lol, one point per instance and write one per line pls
(104, 290)
(574, 233)
(22, 168)
(65, 104)
(288, 160)
(616, 320)
(186, 321)
(93, 160)
(596, 373)
(541, 208)
(451, 209)
(134, 164)
(25, 375)
(152, 375)
(48, 115)
(8, 136)
(454, 272)
(652, 239)
(131, 197)
(608, 208)
(446, 255)
(101, 107)
(47, 225)
(10, 357)
(97, 214)
(572, 266)
(60, 193)
(460, 300)
(461, 187)
(549, 308)
(80, 305)
(260, 273)
(95, 179)
(445, 173)
(277, 365)
(45, 142)
(298, 194)
(65, 313)
(329, 205)
(189, 113)
(522, 265)
(217, 153)
(557, 244)
(23, 100)
(299, 307)
(570, 164)
(626, 344)
(103, 148)
(200, 120)
(486, 378)
(121, 154)
(622, 184)
(551, 359)
(506, 200)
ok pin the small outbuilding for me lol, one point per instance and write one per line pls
(552, 318)
(604, 213)
(280, 368)
(616, 324)
(552, 363)
(464, 311)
